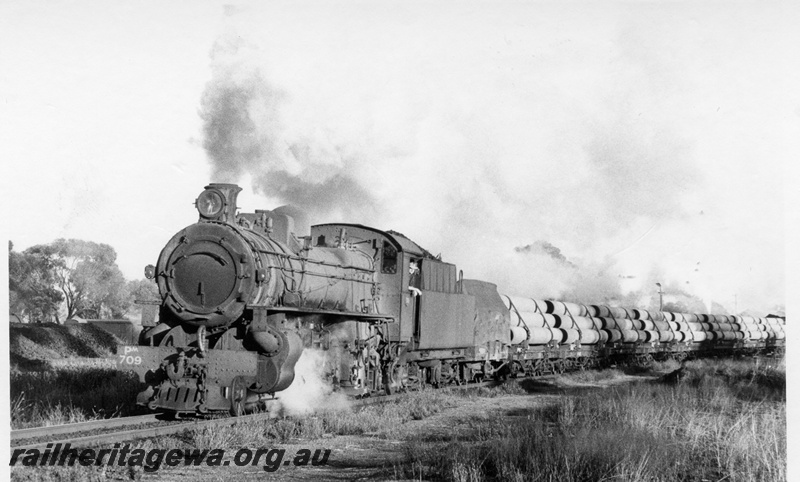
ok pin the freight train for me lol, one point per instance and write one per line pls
(243, 294)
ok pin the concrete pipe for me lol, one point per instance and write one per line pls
(619, 323)
(586, 323)
(525, 304)
(564, 308)
(612, 335)
(590, 337)
(518, 335)
(564, 321)
(662, 325)
(650, 335)
(561, 321)
(569, 335)
(617, 312)
(557, 336)
(554, 307)
(532, 319)
(541, 336)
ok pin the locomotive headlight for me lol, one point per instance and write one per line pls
(209, 203)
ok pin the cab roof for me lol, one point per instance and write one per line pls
(401, 242)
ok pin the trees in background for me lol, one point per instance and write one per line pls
(32, 286)
(88, 276)
(74, 277)
(143, 290)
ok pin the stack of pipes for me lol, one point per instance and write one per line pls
(544, 321)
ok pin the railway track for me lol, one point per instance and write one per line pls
(40, 437)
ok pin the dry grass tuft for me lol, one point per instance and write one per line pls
(725, 420)
(71, 394)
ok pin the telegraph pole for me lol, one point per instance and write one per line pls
(660, 298)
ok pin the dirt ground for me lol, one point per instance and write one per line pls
(380, 455)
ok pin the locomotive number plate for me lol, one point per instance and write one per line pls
(130, 356)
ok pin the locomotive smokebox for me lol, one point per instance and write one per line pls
(206, 270)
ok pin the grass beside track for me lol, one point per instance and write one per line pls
(723, 420)
(70, 394)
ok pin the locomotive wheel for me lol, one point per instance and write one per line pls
(396, 378)
(238, 394)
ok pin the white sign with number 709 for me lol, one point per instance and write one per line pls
(127, 359)
(130, 360)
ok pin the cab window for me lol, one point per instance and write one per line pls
(389, 259)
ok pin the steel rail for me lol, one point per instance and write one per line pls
(36, 432)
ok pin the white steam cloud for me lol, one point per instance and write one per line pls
(311, 391)
(602, 140)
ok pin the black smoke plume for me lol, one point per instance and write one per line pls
(244, 134)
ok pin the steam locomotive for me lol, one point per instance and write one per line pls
(242, 295)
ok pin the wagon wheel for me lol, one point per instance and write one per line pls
(448, 374)
(516, 369)
(538, 368)
(416, 378)
(396, 378)
(238, 394)
(435, 375)
(530, 368)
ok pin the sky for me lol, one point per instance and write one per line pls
(644, 141)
